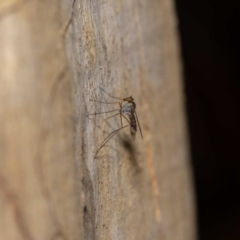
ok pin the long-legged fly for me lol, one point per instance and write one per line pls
(126, 111)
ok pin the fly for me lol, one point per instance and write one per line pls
(127, 111)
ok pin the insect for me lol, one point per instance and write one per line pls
(126, 111)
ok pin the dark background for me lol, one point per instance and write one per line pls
(210, 44)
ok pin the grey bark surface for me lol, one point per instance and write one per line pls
(55, 56)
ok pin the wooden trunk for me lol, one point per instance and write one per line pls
(54, 57)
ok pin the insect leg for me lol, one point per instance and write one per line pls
(112, 116)
(103, 112)
(110, 94)
(120, 105)
(103, 102)
(108, 138)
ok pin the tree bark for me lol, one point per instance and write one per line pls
(55, 56)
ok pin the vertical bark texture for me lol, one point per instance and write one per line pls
(55, 56)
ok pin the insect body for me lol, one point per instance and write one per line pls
(130, 109)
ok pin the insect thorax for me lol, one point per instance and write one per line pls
(128, 108)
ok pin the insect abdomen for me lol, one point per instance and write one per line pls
(133, 125)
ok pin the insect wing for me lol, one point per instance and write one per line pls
(139, 124)
(127, 109)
